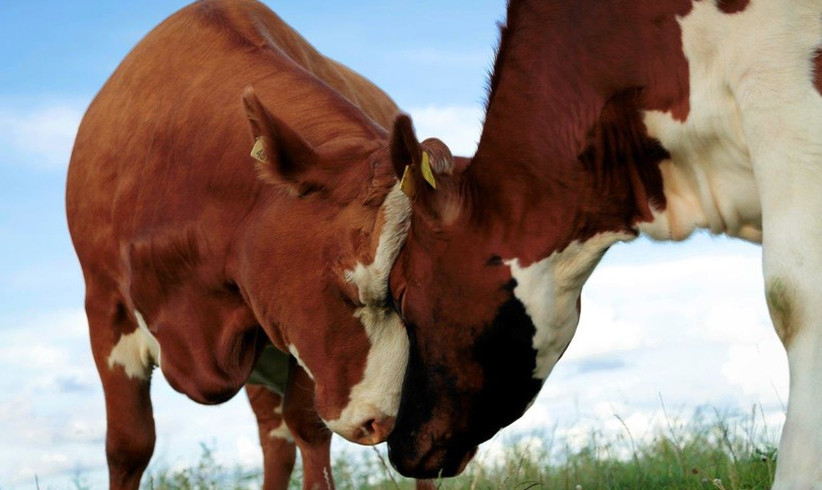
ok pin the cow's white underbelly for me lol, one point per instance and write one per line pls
(733, 59)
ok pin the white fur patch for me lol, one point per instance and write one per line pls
(748, 162)
(372, 280)
(751, 78)
(378, 394)
(293, 350)
(549, 290)
(137, 352)
(282, 431)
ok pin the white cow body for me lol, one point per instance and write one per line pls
(748, 162)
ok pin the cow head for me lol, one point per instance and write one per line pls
(325, 298)
(490, 298)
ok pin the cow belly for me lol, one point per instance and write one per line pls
(739, 64)
(271, 370)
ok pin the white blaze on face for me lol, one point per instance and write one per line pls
(549, 290)
(378, 394)
(137, 353)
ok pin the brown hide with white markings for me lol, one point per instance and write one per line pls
(607, 118)
(565, 167)
(175, 224)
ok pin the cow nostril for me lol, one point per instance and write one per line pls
(375, 431)
(369, 427)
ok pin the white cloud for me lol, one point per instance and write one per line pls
(601, 331)
(41, 137)
(457, 126)
(760, 369)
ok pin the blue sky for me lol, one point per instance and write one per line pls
(682, 322)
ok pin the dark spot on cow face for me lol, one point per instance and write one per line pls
(506, 353)
(817, 70)
(447, 410)
(732, 6)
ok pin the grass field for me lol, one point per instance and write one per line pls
(711, 451)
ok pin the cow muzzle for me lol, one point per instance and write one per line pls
(432, 462)
(369, 430)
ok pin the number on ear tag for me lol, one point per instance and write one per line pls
(258, 152)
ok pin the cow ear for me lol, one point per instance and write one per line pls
(282, 156)
(428, 172)
(418, 165)
(405, 149)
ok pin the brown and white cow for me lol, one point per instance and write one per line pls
(607, 119)
(196, 255)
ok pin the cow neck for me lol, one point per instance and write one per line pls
(567, 157)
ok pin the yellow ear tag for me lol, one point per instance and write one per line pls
(407, 182)
(258, 152)
(427, 174)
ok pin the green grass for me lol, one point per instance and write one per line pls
(207, 474)
(706, 452)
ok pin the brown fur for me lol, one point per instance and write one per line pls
(563, 156)
(169, 218)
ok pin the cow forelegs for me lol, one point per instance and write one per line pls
(782, 116)
(796, 309)
(279, 450)
(311, 435)
(793, 269)
(792, 250)
(130, 432)
(120, 355)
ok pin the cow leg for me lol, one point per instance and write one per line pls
(792, 271)
(311, 435)
(425, 485)
(793, 268)
(279, 451)
(126, 378)
(783, 131)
